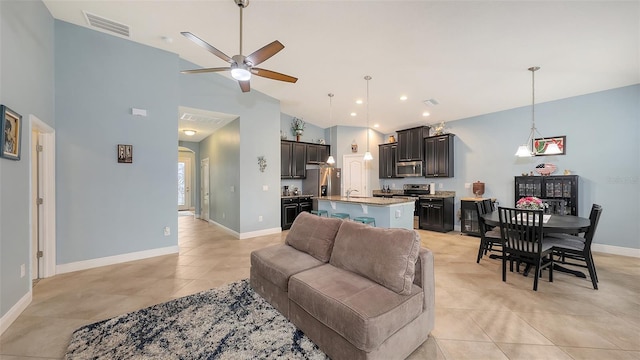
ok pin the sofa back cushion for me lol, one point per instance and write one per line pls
(386, 256)
(313, 235)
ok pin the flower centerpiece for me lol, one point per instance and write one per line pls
(530, 203)
(297, 127)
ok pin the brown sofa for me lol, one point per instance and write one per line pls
(357, 291)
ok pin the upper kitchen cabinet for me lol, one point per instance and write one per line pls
(438, 156)
(293, 156)
(387, 160)
(317, 153)
(410, 143)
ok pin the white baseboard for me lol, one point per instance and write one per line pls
(116, 259)
(15, 311)
(247, 235)
(615, 250)
(263, 232)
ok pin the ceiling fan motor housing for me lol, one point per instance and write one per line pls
(242, 3)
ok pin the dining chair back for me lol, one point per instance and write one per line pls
(489, 205)
(523, 241)
(489, 237)
(576, 250)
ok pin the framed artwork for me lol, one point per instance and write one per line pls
(11, 133)
(125, 153)
(540, 145)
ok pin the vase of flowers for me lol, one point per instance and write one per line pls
(297, 127)
(530, 203)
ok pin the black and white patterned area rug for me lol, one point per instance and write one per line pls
(230, 322)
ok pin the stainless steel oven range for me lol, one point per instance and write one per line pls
(414, 191)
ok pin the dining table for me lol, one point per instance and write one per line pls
(554, 224)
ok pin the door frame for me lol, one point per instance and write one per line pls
(188, 180)
(205, 214)
(47, 220)
(345, 158)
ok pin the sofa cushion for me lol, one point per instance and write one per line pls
(360, 310)
(313, 235)
(386, 256)
(277, 263)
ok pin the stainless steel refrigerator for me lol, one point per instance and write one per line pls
(322, 182)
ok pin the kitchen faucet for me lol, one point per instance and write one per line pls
(349, 191)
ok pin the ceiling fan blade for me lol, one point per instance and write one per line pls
(273, 75)
(206, 45)
(244, 85)
(264, 53)
(206, 70)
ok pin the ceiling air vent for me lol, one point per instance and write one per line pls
(106, 24)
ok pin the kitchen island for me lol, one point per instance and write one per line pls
(388, 212)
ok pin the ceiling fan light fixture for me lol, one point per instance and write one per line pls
(240, 73)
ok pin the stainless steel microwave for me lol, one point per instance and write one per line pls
(409, 168)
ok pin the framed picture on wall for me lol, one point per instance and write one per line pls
(540, 145)
(125, 153)
(11, 133)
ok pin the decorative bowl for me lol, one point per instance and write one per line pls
(545, 169)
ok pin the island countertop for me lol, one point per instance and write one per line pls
(372, 201)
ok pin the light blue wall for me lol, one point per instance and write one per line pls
(105, 208)
(312, 133)
(26, 86)
(259, 120)
(223, 150)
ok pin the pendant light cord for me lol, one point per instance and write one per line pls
(367, 78)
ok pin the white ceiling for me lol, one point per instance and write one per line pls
(471, 56)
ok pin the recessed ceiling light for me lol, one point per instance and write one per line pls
(403, 97)
(376, 125)
(189, 132)
(359, 101)
(425, 114)
(353, 114)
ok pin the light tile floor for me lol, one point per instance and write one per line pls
(477, 315)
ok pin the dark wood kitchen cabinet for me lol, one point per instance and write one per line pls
(293, 157)
(317, 153)
(292, 207)
(438, 156)
(410, 143)
(436, 214)
(387, 154)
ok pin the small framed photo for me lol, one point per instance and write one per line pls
(125, 153)
(11, 133)
(540, 145)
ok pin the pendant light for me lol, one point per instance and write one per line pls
(330, 159)
(527, 150)
(367, 155)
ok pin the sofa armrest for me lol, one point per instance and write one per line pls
(425, 277)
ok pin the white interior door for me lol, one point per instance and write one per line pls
(355, 175)
(184, 183)
(204, 189)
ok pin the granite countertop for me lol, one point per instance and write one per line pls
(295, 196)
(440, 195)
(476, 199)
(374, 201)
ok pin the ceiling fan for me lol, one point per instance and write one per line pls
(242, 67)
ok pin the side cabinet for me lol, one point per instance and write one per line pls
(560, 192)
(438, 156)
(436, 214)
(387, 160)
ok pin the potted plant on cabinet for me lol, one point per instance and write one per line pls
(297, 127)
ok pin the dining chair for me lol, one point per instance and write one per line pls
(522, 241)
(488, 236)
(571, 248)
